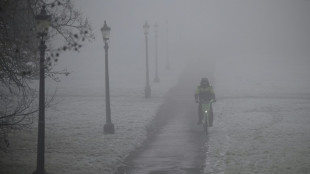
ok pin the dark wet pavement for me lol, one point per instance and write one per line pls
(178, 147)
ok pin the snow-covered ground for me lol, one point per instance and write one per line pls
(262, 118)
(261, 124)
(75, 142)
(260, 135)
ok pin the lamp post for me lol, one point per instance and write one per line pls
(156, 80)
(167, 50)
(108, 127)
(42, 24)
(146, 28)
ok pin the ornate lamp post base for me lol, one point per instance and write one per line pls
(148, 91)
(39, 172)
(108, 128)
(156, 80)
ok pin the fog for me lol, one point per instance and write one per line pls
(240, 45)
(252, 51)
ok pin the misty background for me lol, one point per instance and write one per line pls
(244, 47)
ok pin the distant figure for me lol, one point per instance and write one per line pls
(204, 92)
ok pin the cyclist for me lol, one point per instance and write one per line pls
(204, 92)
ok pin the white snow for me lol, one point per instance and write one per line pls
(260, 135)
(265, 132)
(75, 142)
(262, 118)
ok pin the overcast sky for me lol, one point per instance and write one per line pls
(244, 36)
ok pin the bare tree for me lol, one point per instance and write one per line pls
(19, 62)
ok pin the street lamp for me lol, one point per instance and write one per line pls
(156, 80)
(167, 50)
(146, 28)
(108, 127)
(42, 24)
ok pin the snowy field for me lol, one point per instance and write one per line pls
(75, 142)
(260, 135)
(261, 125)
(262, 118)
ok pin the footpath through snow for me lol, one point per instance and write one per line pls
(263, 133)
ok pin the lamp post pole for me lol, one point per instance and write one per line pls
(42, 27)
(109, 126)
(147, 86)
(41, 125)
(167, 50)
(156, 80)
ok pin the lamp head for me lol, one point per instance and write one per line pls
(42, 22)
(146, 28)
(105, 31)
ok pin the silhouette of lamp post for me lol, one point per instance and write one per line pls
(156, 79)
(167, 49)
(42, 24)
(146, 28)
(108, 127)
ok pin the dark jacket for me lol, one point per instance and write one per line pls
(204, 93)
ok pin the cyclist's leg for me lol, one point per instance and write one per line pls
(211, 116)
(199, 113)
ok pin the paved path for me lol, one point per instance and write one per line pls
(179, 145)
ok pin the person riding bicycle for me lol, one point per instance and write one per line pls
(204, 92)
